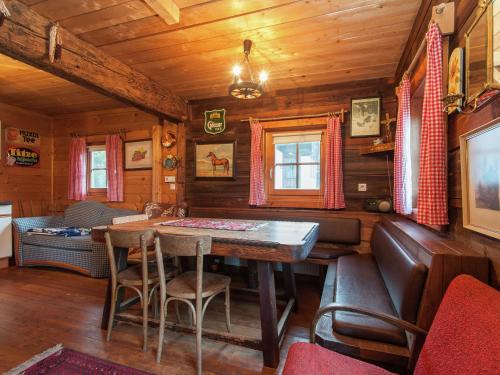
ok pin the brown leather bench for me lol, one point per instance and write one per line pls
(388, 280)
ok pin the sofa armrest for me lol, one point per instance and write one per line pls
(23, 224)
(332, 307)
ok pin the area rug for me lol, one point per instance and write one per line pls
(63, 361)
(223, 224)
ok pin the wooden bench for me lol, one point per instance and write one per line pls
(415, 247)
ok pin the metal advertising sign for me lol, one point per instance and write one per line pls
(23, 148)
(215, 121)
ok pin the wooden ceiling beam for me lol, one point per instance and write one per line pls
(24, 36)
(166, 9)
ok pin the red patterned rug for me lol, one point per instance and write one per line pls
(224, 224)
(63, 361)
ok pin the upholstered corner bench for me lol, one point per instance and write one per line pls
(79, 254)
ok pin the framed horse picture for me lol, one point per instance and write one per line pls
(215, 160)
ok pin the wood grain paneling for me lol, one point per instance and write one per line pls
(137, 184)
(301, 43)
(22, 183)
(357, 168)
(458, 124)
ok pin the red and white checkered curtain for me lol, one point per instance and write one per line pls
(114, 168)
(402, 152)
(432, 201)
(257, 193)
(334, 178)
(77, 181)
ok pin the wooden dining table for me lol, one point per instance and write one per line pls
(271, 242)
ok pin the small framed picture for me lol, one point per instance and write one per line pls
(215, 160)
(480, 169)
(365, 117)
(138, 154)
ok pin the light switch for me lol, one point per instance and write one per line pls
(169, 179)
(362, 187)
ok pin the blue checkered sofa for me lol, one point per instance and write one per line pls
(79, 254)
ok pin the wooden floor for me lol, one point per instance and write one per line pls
(40, 308)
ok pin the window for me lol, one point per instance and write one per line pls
(96, 169)
(417, 101)
(294, 166)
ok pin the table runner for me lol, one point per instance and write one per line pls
(221, 224)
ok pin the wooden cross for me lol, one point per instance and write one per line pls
(388, 131)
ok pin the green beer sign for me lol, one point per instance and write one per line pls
(215, 121)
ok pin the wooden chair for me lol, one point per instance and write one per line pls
(191, 285)
(142, 278)
(134, 255)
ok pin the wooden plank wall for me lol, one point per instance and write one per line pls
(357, 169)
(459, 124)
(32, 186)
(138, 124)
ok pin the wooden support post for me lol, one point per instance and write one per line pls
(166, 9)
(24, 37)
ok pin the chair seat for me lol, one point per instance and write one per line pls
(305, 358)
(133, 274)
(184, 285)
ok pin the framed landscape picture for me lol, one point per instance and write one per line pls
(365, 117)
(215, 160)
(480, 168)
(138, 154)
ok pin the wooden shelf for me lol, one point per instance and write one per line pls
(375, 149)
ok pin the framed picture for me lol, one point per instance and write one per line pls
(215, 160)
(365, 117)
(480, 168)
(455, 77)
(138, 154)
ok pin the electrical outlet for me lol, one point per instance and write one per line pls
(362, 187)
(172, 186)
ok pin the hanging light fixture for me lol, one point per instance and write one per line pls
(245, 86)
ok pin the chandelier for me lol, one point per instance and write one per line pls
(245, 86)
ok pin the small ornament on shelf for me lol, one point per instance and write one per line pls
(389, 135)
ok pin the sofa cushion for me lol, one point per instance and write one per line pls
(403, 276)
(81, 243)
(359, 283)
(304, 358)
(86, 214)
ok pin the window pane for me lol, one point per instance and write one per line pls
(309, 177)
(285, 153)
(309, 152)
(98, 179)
(285, 177)
(98, 159)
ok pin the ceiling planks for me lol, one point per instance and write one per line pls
(300, 42)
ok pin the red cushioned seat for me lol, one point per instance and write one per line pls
(464, 339)
(309, 359)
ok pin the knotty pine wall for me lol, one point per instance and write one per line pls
(30, 187)
(138, 125)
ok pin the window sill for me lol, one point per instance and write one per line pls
(437, 228)
(294, 201)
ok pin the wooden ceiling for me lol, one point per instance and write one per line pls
(299, 42)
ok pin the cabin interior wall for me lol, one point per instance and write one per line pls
(29, 188)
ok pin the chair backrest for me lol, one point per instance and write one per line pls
(129, 219)
(176, 245)
(465, 334)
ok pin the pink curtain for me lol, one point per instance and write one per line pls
(334, 178)
(402, 152)
(114, 168)
(77, 181)
(432, 200)
(257, 193)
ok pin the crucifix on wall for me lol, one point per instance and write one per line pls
(389, 137)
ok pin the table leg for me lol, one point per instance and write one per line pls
(252, 273)
(121, 256)
(268, 314)
(289, 282)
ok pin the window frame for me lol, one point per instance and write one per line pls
(90, 148)
(295, 198)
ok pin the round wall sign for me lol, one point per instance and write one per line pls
(170, 162)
